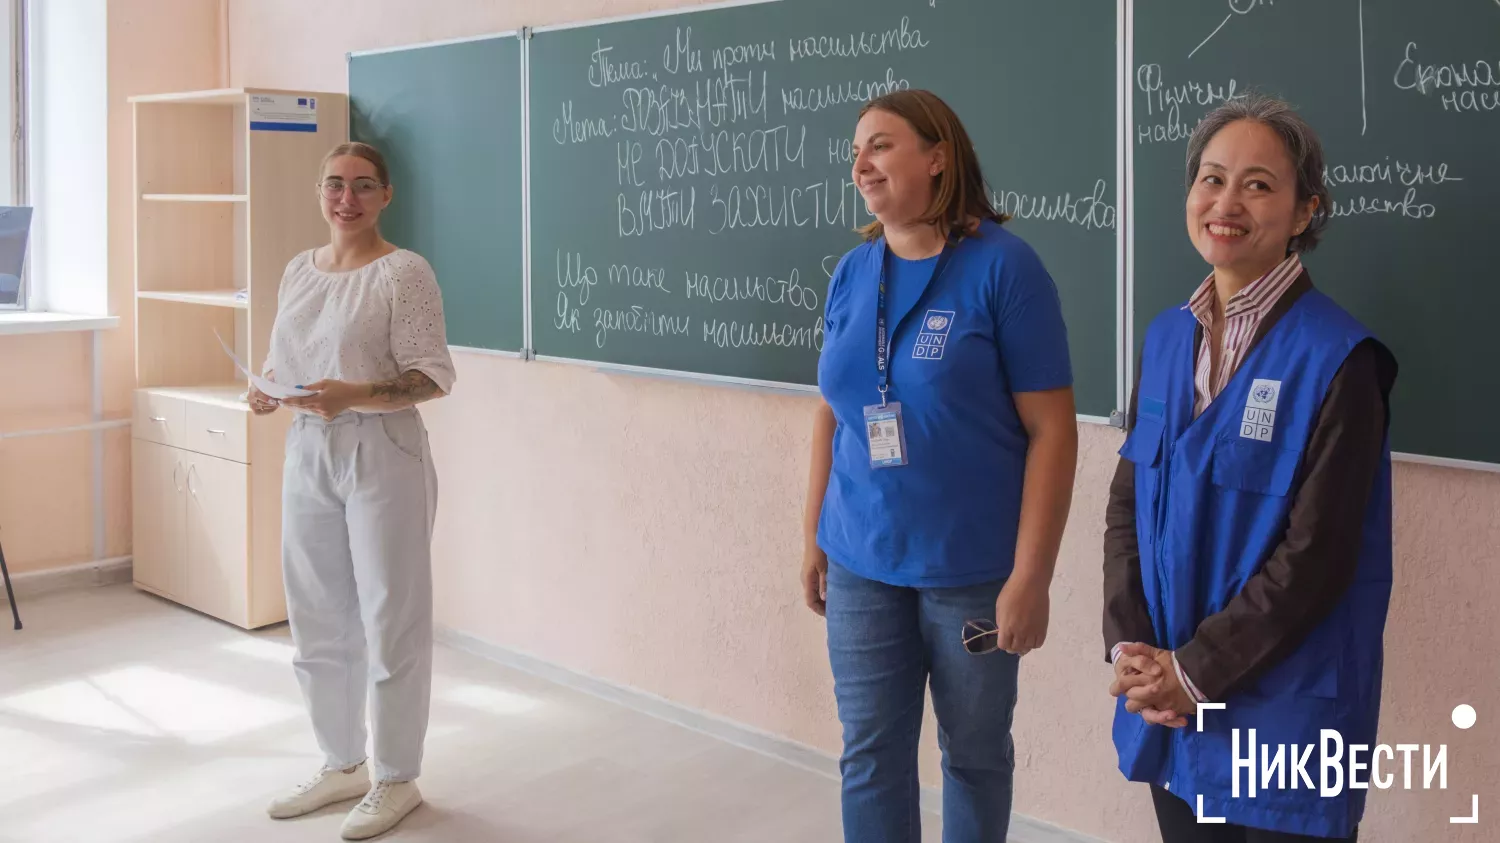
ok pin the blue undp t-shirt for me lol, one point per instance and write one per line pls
(991, 325)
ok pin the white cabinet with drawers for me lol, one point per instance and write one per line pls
(207, 504)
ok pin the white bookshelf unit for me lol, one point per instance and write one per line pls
(223, 203)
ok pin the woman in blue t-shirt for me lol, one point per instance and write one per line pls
(942, 473)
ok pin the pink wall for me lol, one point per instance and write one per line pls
(630, 529)
(46, 483)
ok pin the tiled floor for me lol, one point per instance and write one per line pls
(126, 718)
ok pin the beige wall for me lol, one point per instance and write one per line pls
(46, 483)
(632, 529)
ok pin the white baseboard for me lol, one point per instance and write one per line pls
(1023, 829)
(86, 575)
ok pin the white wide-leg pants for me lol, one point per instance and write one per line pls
(358, 499)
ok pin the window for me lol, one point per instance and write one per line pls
(14, 219)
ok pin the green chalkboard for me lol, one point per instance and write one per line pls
(448, 119)
(1406, 98)
(690, 172)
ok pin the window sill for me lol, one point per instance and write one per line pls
(19, 322)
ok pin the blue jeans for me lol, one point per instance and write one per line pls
(884, 643)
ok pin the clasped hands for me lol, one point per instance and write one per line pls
(1144, 675)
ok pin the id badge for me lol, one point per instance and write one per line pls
(886, 435)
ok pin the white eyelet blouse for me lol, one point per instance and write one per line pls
(366, 325)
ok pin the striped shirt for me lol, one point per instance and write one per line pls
(1242, 316)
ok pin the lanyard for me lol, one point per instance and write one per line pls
(882, 336)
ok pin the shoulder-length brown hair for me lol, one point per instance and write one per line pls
(960, 194)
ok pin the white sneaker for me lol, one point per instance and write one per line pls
(327, 787)
(386, 804)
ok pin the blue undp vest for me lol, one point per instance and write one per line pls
(1212, 503)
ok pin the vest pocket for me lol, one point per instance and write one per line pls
(1143, 445)
(1252, 466)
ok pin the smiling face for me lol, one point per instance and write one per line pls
(1243, 207)
(351, 194)
(894, 167)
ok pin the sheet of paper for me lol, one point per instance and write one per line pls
(269, 387)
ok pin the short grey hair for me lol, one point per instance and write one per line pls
(1302, 146)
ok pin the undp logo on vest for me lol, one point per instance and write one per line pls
(934, 336)
(1259, 422)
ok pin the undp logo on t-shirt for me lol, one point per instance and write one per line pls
(1265, 393)
(934, 336)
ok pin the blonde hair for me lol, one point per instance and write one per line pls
(359, 150)
(960, 193)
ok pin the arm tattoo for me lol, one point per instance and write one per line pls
(410, 388)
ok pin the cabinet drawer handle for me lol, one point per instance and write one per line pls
(159, 419)
(216, 432)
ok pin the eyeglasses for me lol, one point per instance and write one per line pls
(981, 637)
(364, 188)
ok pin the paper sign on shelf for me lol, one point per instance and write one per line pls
(283, 113)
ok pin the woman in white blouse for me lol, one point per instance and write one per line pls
(360, 324)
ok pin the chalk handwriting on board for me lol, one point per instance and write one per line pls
(698, 147)
(727, 57)
(819, 97)
(830, 263)
(1472, 86)
(1236, 7)
(719, 288)
(1091, 211)
(638, 320)
(567, 315)
(1161, 98)
(1364, 113)
(1166, 102)
(681, 51)
(604, 71)
(1240, 8)
(829, 203)
(572, 274)
(623, 275)
(566, 130)
(1388, 171)
(726, 153)
(656, 210)
(628, 157)
(898, 39)
(734, 334)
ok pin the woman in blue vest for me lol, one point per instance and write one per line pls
(942, 473)
(1248, 545)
